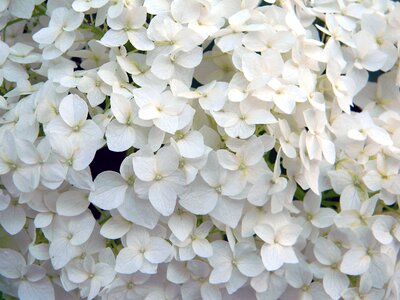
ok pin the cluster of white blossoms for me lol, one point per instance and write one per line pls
(262, 143)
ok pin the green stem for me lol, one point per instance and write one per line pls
(97, 31)
(108, 104)
(329, 203)
(299, 194)
(104, 219)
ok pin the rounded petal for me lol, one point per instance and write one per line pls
(158, 250)
(199, 198)
(181, 225)
(109, 192)
(128, 261)
(202, 247)
(335, 283)
(12, 263)
(73, 110)
(355, 262)
(72, 203)
(163, 197)
(250, 265)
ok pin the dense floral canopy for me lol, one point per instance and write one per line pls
(261, 144)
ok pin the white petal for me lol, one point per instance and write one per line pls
(355, 262)
(199, 198)
(227, 159)
(271, 257)
(128, 261)
(104, 273)
(159, 250)
(27, 178)
(139, 39)
(61, 252)
(13, 219)
(65, 40)
(167, 161)
(72, 203)
(210, 292)
(42, 289)
(43, 219)
(163, 67)
(324, 218)
(327, 252)
(181, 225)
(265, 232)
(114, 38)
(260, 116)
(190, 59)
(372, 180)
(140, 212)
(76, 273)
(202, 247)
(335, 283)
(381, 229)
(380, 136)
(145, 168)
(228, 211)
(222, 273)
(12, 264)
(115, 228)
(81, 228)
(192, 145)
(250, 265)
(121, 108)
(163, 197)
(73, 110)
(288, 234)
(109, 190)
(46, 35)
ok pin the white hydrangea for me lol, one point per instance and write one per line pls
(260, 143)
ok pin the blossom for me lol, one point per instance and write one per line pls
(279, 235)
(160, 179)
(59, 36)
(143, 252)
(259, 146)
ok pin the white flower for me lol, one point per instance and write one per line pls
(160, 178)
(189, 144)
(73, 125)
(91, 274)
(59, 36)
(143, 253)
(12, 214)
(67, 234)
(316, 140)
(279, 235)
(194, 242)
(167, 112)
(232, 266)
(128, 26)
(231, 36)
(282, 94)
(240, 119)
(125, 130)
(386, 229)
(32, 281)
(315, 216)
(365, 257)
(330, 256)
(211, 193)
(386, 176)
(84, 5)
(248, 160)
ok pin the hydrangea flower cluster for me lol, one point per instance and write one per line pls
(262, 143)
